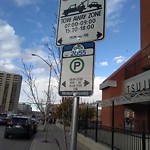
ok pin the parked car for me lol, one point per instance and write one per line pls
(19, 126)
(95, 4)
(4, 118)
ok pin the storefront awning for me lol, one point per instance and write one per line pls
(137, 97)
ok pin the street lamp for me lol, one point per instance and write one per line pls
(50, 73)
(48, 94)
(50, 65)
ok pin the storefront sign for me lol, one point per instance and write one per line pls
(135, 90)
(138, 83)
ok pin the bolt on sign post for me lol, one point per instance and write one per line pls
(80, 21)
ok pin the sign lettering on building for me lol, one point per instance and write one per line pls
(138, 83)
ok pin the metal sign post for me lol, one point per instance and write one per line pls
(74, 126)
(77, 78)
(79, 21)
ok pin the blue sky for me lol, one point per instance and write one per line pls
(25, 25)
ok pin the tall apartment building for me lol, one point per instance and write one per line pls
(10, 85)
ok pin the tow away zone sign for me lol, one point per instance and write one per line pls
(80, 21)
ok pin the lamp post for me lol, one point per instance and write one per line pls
(50, 65)
(48, 93)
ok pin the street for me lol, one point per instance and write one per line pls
(13, 143)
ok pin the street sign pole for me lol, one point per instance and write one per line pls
(74, 125)
(79, 21)
(77, 61)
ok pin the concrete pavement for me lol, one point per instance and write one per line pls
(54, 139)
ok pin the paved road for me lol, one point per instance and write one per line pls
(15, 143)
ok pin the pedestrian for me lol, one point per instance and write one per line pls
(54, 120)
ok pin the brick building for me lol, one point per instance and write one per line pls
(129, 86)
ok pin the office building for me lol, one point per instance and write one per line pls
(24, 108)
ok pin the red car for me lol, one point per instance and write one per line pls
(4, 118)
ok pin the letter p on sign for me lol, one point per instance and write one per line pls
(76, 65)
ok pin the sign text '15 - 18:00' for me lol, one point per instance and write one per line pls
(80, 22)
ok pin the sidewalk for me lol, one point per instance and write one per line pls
(53, 140)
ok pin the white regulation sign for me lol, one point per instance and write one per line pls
(77, 70)
(80, 21)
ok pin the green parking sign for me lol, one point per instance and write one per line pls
(77, 69)
(76, 65)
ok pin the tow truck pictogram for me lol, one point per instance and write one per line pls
(81, 7)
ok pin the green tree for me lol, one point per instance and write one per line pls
(87, 113)
(64, 110)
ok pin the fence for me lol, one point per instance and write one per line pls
(123, 139)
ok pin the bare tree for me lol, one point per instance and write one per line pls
(54, 59)
(32, 94)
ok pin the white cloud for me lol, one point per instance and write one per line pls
(8, 66)
(11, 67)
(113, 12)
(119, 59)
(9, 41)
(104, 63)
(114, 6)
(42, 83)
(27, 55)
(25, 2)
(41, 71)
(37, 9)
(97, 95)
(45, 39)
(39, 25)
(42, 79)
(9, 46)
